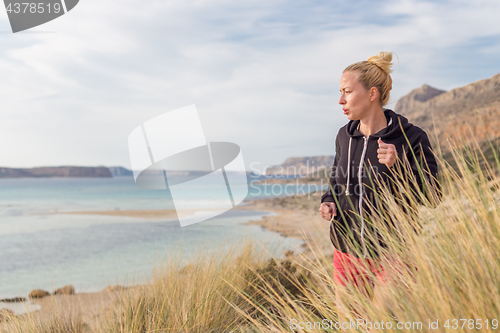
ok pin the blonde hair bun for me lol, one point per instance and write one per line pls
(383, 60)
(375, 72)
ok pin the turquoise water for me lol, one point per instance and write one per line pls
(40, 249)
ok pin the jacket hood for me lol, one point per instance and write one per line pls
(393, 130)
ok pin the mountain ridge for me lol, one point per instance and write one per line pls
(59, 171)
(467, 113)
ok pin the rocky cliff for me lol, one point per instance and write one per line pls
(62, 171)
(118, 171)
(464, 114)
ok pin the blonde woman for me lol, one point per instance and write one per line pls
(368, 145)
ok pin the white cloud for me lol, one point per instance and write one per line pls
(263, 74)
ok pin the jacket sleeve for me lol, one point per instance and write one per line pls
(425, 170)
(328, 196)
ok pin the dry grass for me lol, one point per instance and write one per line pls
(458, 277)
(57, 323)
(457, 254)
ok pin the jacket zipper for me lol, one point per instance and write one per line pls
(360, 181)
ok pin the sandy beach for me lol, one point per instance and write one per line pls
(85, 306)
(148, 214)
(295, 216)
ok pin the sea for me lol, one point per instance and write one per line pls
(44, 247)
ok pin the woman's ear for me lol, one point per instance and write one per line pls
(373, 94)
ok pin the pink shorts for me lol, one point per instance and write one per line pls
(351, 270)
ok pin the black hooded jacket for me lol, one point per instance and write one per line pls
(351, 147)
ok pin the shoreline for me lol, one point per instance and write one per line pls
(294, 217)
(148, 214)
(292, 214)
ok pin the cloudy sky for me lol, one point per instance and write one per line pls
(263, 73)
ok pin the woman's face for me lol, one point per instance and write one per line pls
(354, 98)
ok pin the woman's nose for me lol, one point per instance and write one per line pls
(342, 99)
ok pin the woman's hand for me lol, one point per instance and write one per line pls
(387, 153)
(327, 209)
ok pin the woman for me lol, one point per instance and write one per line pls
(369, 145)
